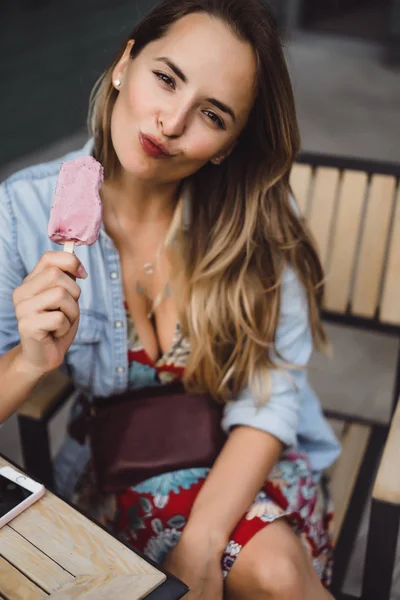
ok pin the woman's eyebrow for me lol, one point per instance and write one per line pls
(222, 107)
(173, 68)
(178, 72)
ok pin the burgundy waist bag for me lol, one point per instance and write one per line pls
(145, 432)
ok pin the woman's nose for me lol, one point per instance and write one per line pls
(173, 123)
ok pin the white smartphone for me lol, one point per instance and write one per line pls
(17, 492)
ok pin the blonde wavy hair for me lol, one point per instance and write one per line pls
(245, 229)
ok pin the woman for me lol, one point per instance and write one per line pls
(203, 270)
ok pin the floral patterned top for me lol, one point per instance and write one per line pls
(143, 371)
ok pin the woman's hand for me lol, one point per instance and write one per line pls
(196, 562)
(47, 311)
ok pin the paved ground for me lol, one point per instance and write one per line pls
(347, 100)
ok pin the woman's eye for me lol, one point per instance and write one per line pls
(215, 119)
(165, 79)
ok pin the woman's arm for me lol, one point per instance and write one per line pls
(258, 434)
(228, 492)
(17, 382)
(39, 313)
(232, 484)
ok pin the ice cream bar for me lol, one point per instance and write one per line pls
(76, 214)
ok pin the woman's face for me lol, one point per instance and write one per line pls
(189, 92)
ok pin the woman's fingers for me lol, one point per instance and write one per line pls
(50, 278)
(47, 310)
(69, 263)
(38, 329)
(55, 299)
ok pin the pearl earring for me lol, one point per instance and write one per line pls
(117, 83)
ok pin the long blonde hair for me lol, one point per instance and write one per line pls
(244, 228)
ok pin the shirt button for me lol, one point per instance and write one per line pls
(118, 324)
(120, 369)
(114, 275)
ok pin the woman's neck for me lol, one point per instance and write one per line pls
(138, 202)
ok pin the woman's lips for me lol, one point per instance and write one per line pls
(152, 147)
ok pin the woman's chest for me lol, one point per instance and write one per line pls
(150, 304)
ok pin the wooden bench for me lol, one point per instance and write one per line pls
(353, 210)
(384, 519)
(33, 421)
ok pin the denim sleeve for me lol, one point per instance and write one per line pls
(11, 273)
(280, 415)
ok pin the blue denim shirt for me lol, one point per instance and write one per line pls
(97, 359)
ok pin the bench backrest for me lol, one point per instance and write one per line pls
(353, 210)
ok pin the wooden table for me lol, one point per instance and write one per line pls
(53, 551)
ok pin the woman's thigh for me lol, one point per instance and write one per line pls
(274, 564)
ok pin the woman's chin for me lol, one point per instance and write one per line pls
(140, 169)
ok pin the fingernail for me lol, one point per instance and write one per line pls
(81, 272)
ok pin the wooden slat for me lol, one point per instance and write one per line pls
(387, 484)
(373, 245)
(107, 586)
(41, 569)
(390, 308)
(76, 543)
(300, 181)
(14, 586)
(338, 427)
(344, 472)
(338, 285)
(44, 394)
(322, 207)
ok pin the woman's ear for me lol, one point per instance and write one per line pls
(219, 159)
(122, 64)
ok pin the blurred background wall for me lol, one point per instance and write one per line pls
(342, 55)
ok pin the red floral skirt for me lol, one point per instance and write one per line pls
(152, 515)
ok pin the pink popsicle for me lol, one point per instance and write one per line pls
(76, 214)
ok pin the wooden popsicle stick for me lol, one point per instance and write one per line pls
(69, 247)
